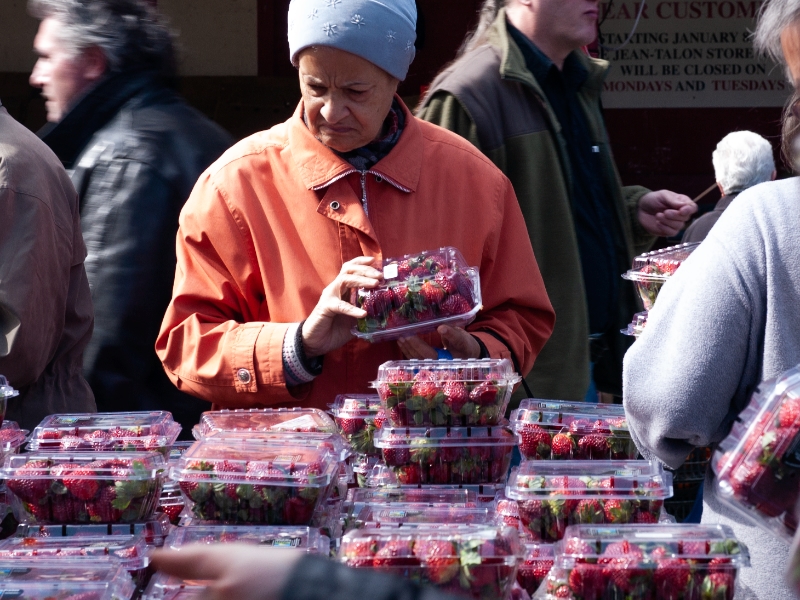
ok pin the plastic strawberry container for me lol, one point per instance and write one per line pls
(376, 515)
(552, 495)
(305, 539)
(64, 580)
(357, 416)
(452, 393)
(6, 393)
(154, 531)
(243, 482)
(646, 561)
(11, 439)
(130, 551)
(171, 502)
(636, 327)
(84, 487)
(430, 495)
(168, 587)
(420, 292)
(289, 420)
(477, 561)
(555, 429)
(442, 455)
(333, 443)
(533, 569)
(104, 432)
(651, 270)
(757, 465)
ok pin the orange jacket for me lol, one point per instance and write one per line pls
(259, 240)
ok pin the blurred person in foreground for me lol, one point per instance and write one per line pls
(727, 320)
(45, 303)
(246, 572)
(282, 228)
(741, 160)
(133, 149)
(525, 94)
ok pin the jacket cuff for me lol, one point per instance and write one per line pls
(297, 369)
(494, 347)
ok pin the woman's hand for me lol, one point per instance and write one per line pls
(454, 339)
(328, 326)
(240, 571)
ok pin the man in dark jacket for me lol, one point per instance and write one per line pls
(134, 149)
(741, 160)
(526, 95)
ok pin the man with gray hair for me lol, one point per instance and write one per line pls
(133, 149)
(742, 159)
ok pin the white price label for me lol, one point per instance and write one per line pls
(390, 271)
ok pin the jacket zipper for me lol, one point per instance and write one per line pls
(364, 192)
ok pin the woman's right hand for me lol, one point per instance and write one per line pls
(328, 326)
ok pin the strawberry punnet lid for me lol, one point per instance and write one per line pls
(145, 430)
(579, 417)
(356, 406)
(11, 437)
(154, 530)
(37, 579)
(128, 550)
(304, 539)
(243, 462)
(376, 514)
(127, 466)
(428, 495)
(6, 391)
(656, 542)
(168, 587)
(398, 372)
(579, 479)
(276, 420)
(419, 293)
(332, 442)
(662, 263)
(419, 438)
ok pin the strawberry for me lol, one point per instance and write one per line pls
(409, 474)
(694, 548)
(620, 562)
(435, 264)
(644, 517)
(455, 305)
(718, 586)
(672, 578)
(485, 393)
(101, 509)
(79, 484)
(425, 389)
(380, 419)
(98, 439)
(350, 425)
(533, 571)
(39, 512)
(534, 442)
(431, 293)
(298, 511)
(399, 295)
(588, 511)
(602, 427)
(404, 268)
(396, 457)
(618, 511)
(419, 272)
(587, 581)
(578, 549)
(562, 446)
(396, 553)
(455, 396)
(789, 413)
(444, 282)
(360, 553)
(376, 302)
(71, 442)
(463, 285)
(440, 559)
(65, 509)
(30, 490)
(396, 319)
(580, 427)
(594, 447)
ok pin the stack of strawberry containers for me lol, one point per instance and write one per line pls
(85, 494)
(579, 467)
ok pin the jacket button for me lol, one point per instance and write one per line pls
(379, 179)
(243, 375)
(335, 205)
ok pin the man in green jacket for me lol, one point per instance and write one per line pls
(525, 94)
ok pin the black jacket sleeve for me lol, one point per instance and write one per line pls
(316, 578)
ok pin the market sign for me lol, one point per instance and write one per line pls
(694, 53)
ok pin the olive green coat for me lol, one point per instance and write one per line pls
(489, 97)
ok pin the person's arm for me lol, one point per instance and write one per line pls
(246, 572)
(34, 280)
(688, 374)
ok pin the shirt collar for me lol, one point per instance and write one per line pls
(538, 63)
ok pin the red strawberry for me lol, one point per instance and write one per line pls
(435, 264)
(447, 284)
(360, 553)
(602, 427)
(534, 442)
(580, 426)
(404, 268)
(39, 512)
(587, 581)
(101, 509)
(618, 511)
(409, 474)
(298, 511)
(440, 559)
(396, 457)
(671, 578)
(351, 425)
(399, 295)
(396, 319)
(588, 511)
(376, 302)
(533, 571)
(789, 414)
(431, 293)
(644, 517)
(82, 483)
(425, 389)
(455, 305)
(578, 549)
(562, 446)
(71, 442)
(463, 285)
(98, 439)
(718, 586)
(396, 553)
(380, 419)
(30, 490)
(455, 396)
(485, 393)
(420, 272)
(620, 562)
(65, 509)
(720, 565)
(594, 447)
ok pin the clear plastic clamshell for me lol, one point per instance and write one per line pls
(447, 455)
(168, 587)
(274, 420)
(305, 539)
(420, 292)
(358, 416)
(36, 579)
(758, 463)
(154, 531)
(651, 270)
(555, 429)
(244, 482)
(445, 392)
(645, 561)
(552, 495)
(536, 564)
(103, 432)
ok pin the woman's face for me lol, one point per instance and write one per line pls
(346, 98)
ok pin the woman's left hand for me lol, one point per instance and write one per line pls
(454, 339)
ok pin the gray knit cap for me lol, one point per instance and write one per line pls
(380, 31)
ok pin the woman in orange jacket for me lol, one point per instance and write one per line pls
(279, 230)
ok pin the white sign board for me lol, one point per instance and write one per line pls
(687, 54)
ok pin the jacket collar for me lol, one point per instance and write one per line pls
(725, 201)
(319, 166)
(92, 112)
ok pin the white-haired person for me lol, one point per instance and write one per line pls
(726, 321)
(742, 159)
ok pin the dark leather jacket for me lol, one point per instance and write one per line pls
(134, 149)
